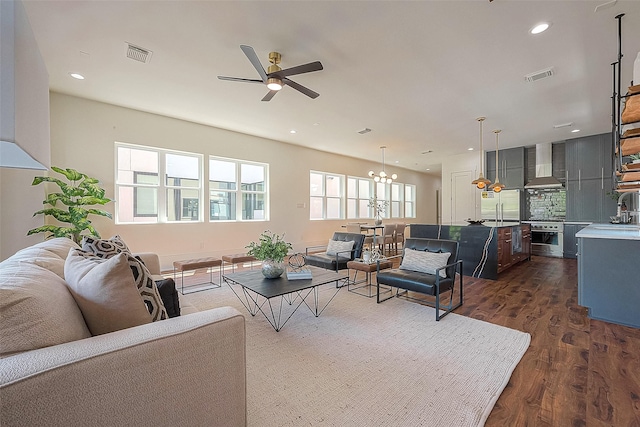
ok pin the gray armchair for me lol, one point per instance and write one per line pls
(315, 256)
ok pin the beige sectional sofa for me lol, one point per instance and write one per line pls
(188, 370)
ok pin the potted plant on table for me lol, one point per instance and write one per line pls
(379, 207)
(80, 192)
(271, 249)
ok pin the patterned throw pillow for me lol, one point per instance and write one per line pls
(340, 248)
(104, 248)
(107, 248)
(425, 261)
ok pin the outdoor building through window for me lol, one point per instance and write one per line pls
(326, 196)
(224, 191)
(143, 197)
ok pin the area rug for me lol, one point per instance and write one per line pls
(367, 364)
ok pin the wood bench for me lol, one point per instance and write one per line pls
(196, 264)
(368, 269)
(237, 259)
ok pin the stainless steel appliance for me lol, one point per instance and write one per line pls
(546, 238)
(502, 206)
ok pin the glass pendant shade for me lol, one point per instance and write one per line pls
(497, 186)
(482, 182)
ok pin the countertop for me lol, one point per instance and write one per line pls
(610, 231)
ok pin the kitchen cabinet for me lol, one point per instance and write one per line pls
(511, 170)
(514, 245)
(589, 179)
(570, 242)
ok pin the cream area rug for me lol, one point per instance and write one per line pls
(367, 364)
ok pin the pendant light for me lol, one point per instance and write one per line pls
(482, 182)
(497, 186)
(382, 176)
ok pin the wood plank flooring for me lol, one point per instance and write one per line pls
(577, 371)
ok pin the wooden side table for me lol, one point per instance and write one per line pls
(367, 269)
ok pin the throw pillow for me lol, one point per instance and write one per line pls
(425, 261)
(169, 295)
(105, 291)
(340, 248)
(104, 248)
(107, 248)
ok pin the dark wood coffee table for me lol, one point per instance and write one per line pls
(258, 292)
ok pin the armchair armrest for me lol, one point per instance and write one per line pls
(450, 265)
(104, 379)
(306, 251)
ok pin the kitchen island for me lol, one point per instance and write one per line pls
(609, 272)
(485, 250)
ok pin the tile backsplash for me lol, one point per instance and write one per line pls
(546, 204)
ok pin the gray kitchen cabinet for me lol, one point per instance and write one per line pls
(570, 241)
(589, 169)
(511, 167)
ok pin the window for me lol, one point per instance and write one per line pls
(409, 201)
(326, 196)
(382, 195)
(224, 191)
(142, 197)
(359, 191)
(396, 200)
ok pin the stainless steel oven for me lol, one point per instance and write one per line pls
(546, 238)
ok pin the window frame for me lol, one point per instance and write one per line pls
(162, 187)
(341, 198)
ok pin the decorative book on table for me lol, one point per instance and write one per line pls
(301, 273)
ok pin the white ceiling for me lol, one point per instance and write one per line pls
(417, 73)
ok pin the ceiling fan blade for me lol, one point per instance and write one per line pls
(300, 69)
(236, 79)
(251, 54)
(270, 95)
(300, 88)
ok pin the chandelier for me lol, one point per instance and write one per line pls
(382, 176)
(497, 186)
(482, 182)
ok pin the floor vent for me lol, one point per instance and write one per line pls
(538, 75)
(138, 54)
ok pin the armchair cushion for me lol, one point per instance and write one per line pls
(340, 248)
(425, 261)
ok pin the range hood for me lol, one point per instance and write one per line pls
(544, 178)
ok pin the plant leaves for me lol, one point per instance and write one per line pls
(70, 174)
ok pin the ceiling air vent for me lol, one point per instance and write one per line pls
(138, 54)
(363, 131)
(538, 75)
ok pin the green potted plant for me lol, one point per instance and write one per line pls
(80, 192)
(271, 249)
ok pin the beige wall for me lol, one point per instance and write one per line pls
(83, 133)
(25, 115)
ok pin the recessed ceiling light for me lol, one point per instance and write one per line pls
(575, 130)
(470, 149)
(541, 27)
(77, 76)
(292, 131)
(428, 169)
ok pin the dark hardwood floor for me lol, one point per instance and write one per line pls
(577, 371)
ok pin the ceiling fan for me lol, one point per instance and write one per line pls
(276, 78)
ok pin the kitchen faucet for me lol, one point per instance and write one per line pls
(619, 213)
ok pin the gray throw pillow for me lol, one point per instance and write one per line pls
(340, 248)
(425, 261)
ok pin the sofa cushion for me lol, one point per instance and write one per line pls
(105, 291)
(425, 261)
(36, 307)
(107, 248)
(340, 248)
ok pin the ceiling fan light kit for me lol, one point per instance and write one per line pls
(482, 182)
(382, 176)
(275, 78)
(497, 186)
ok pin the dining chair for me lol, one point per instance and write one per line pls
(399, 236)
(387, 237)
